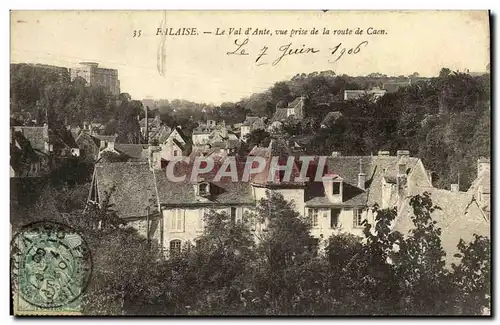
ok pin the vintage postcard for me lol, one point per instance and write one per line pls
(250, 163)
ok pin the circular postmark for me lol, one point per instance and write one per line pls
(51, 264)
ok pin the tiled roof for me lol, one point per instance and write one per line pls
(375, 168)
(107, 138)
(331, 117)
(393, 87)
(295, 102)
(279, 115)
(459, 217)
(352, 196)
(36, 135)
(152, 122)
(137, 152)
(251, 120)
(224, 191)
(483, 180)
(131, 185)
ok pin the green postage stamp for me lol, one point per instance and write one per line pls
(50, 268)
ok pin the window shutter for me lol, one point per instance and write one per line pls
(180, 220)
(354, 217)
(173, 217)
(200, 218)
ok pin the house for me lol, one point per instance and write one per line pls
(374, 93)
(220, 137)
(459, 216)
(24, 160)
(58, 143)
(250, 124)
(153, 125)
(480, 187)
(331, 118)
(94, 128)
(336, 202)
(173, 145)
(294, 111)
(129, 152)
(394, 86)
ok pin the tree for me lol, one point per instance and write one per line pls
(286, 249)
(257, 137)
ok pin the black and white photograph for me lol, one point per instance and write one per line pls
(250, 163)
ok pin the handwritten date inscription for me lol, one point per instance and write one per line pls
(266, 56)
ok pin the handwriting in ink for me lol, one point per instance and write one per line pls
(240, 50)
(284, 51)
(343, 50)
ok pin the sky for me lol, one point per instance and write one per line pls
(198, 68)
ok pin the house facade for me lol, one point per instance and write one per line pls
(250, 124)
(339, 202)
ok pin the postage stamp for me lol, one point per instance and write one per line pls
(51, 266)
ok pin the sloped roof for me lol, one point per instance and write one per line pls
(134, 151)
(152, 122)
(36, 135)
(331, 117)
(394, 86)
(131, 185)
(459, 217)
(483, 180)
(224, 191)
(295, 102)
(279, 115)
(106, 138)
(251, 120)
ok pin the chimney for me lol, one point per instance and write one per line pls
(361, 180)
(336, 154)
(383, 153)
(154, 157)
(403, 154)
(111, 145)
(45, 131)
(483, 164)
(454, 188)
(429, 175)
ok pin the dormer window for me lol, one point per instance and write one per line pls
(203, 189)
(335, 188)
(290, 111)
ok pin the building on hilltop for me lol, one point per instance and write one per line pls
(374, 93)
(94, 75)
(294, 111)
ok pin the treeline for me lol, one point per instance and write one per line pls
(282, 271)
(445, 120)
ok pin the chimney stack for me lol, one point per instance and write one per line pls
(455, 188)
(361, 180)
(383, 153)
(403, 154)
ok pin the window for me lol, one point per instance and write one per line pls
(336, 188)
(358, 218)
(290, 111)
(176, 153)
(201, 221)
(203, 189)
(233, 215)
(313, 217)
(177, 224)
(175, 246)
(334, 217)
